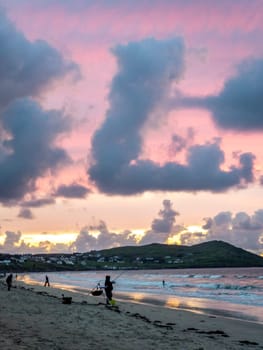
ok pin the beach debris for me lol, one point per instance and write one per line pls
(156, 323)
(144, 318)
(42, 293)
(247, 342)
(210, 333)
(217, 332)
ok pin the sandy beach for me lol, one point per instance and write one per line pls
(34, 317)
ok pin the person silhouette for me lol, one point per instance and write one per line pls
(9, 280)
(46, 282)
(108, 287)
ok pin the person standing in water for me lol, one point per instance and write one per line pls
(108, 289)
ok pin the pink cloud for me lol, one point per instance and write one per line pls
(159, 17)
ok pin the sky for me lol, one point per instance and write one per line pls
(126, 122)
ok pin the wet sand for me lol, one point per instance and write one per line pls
(34, 317)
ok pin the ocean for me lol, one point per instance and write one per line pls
(229, 292)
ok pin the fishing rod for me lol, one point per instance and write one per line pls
(118, 276)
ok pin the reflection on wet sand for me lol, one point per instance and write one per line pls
(194, 305)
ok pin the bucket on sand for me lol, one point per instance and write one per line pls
(66, 300)
(112, 302)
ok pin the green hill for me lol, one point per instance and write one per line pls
(208, 254)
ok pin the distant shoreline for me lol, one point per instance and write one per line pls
(13, 270)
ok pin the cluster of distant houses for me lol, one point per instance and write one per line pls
(45, 258)
(83, 260)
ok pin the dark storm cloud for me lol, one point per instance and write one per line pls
(25, 213)
(147, 70)
(239, 105)
(27, 132)
(73, 190)
(29, 150)
(27, 67)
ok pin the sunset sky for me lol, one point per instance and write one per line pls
(128, 122)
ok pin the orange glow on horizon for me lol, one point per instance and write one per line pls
(35, 238)
(191, 230)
